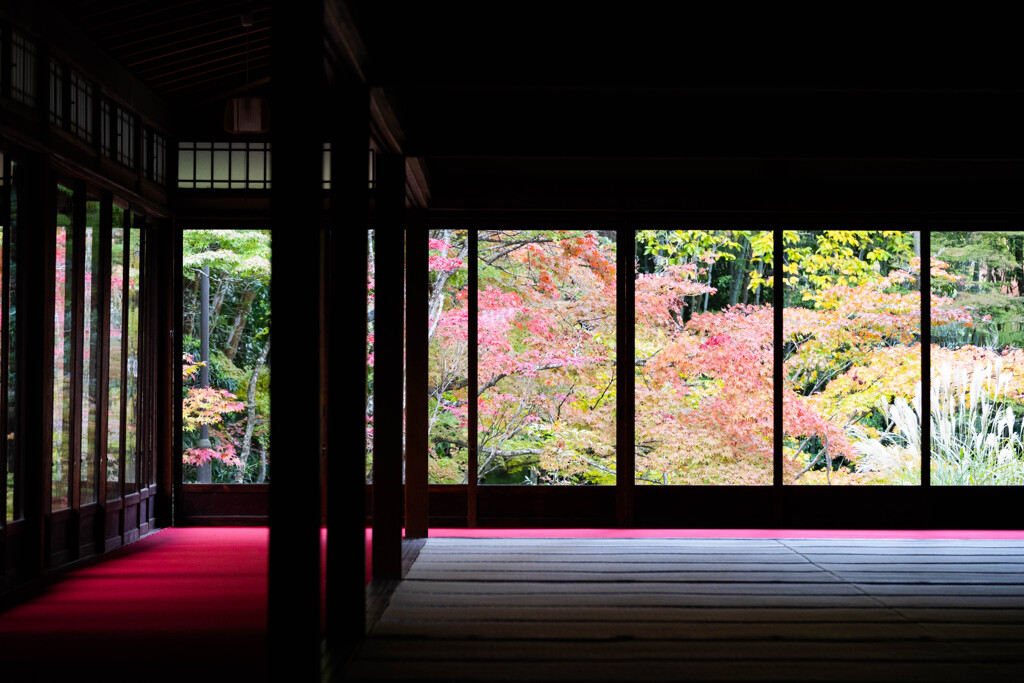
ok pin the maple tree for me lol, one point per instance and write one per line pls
(852, 356)
(704, 380)
(703, 361)
(546, 353)
(234, 407)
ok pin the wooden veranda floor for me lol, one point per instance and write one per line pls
(590, 609)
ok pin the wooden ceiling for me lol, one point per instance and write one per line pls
(562, 103)
(192, 49)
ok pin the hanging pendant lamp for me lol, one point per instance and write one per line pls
(247, 115)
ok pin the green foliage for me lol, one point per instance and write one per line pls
(815, 260)
(243, 253)
(239, 269)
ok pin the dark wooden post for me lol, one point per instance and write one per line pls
(298, 87)
(162, 240)
(177, 308)
(347, 325)
(472, 370)
(778, 360)
(416, 357)
(625, 342)
(924, 510)
(35, 348)
(387, 368)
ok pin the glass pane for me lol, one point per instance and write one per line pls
(13, 483)
(117, 258)
(81, 107)
(105, 114)
(977, 437)
(226, 401)
(704, 357)
(56, 94)
(256, 165)
(221, 163)
(131, 377)
(204, 167)
(238, 165)
(23, 69)
(852, 357)
(63, 348)
(91, 351)
(546, 357)
(449, 357)
(186, 158)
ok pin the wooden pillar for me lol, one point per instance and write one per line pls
(167, 363)
(298, 87)
(177, 349)
(416, 358)
(347, 325)
(923, 244)
(778, 377)
(35, 350)
(472, 370)
(625, 342)
(387, 368)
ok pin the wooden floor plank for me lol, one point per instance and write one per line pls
(673, 650)
(540, 556)
(703, 609)
(609, 615)
(948, 577)
(659, 600)
(937, 555)
(536, 630)
(516, 565)
(456, 587)
(953, 601)
(898, 565)
(973, 588)
(808, 575)
(687, 670)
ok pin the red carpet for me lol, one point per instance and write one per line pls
(189, 605)
(181, 604)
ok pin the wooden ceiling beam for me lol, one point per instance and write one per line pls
(260, 74)
(186, 27)
(157, 73)
(163, 51)
(193, 78)
(343, 41)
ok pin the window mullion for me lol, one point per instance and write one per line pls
(625, 344)
(472, 288)
(925, 336)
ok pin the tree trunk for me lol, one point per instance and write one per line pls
(757, 294)
(739, 268)
(262, 478)
(746, 284)
(205, 472)
(238, 326)
(435, 301)
(250, 420)
(710, 267)
(218, 302)
(1018, 255)
(191, 293)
